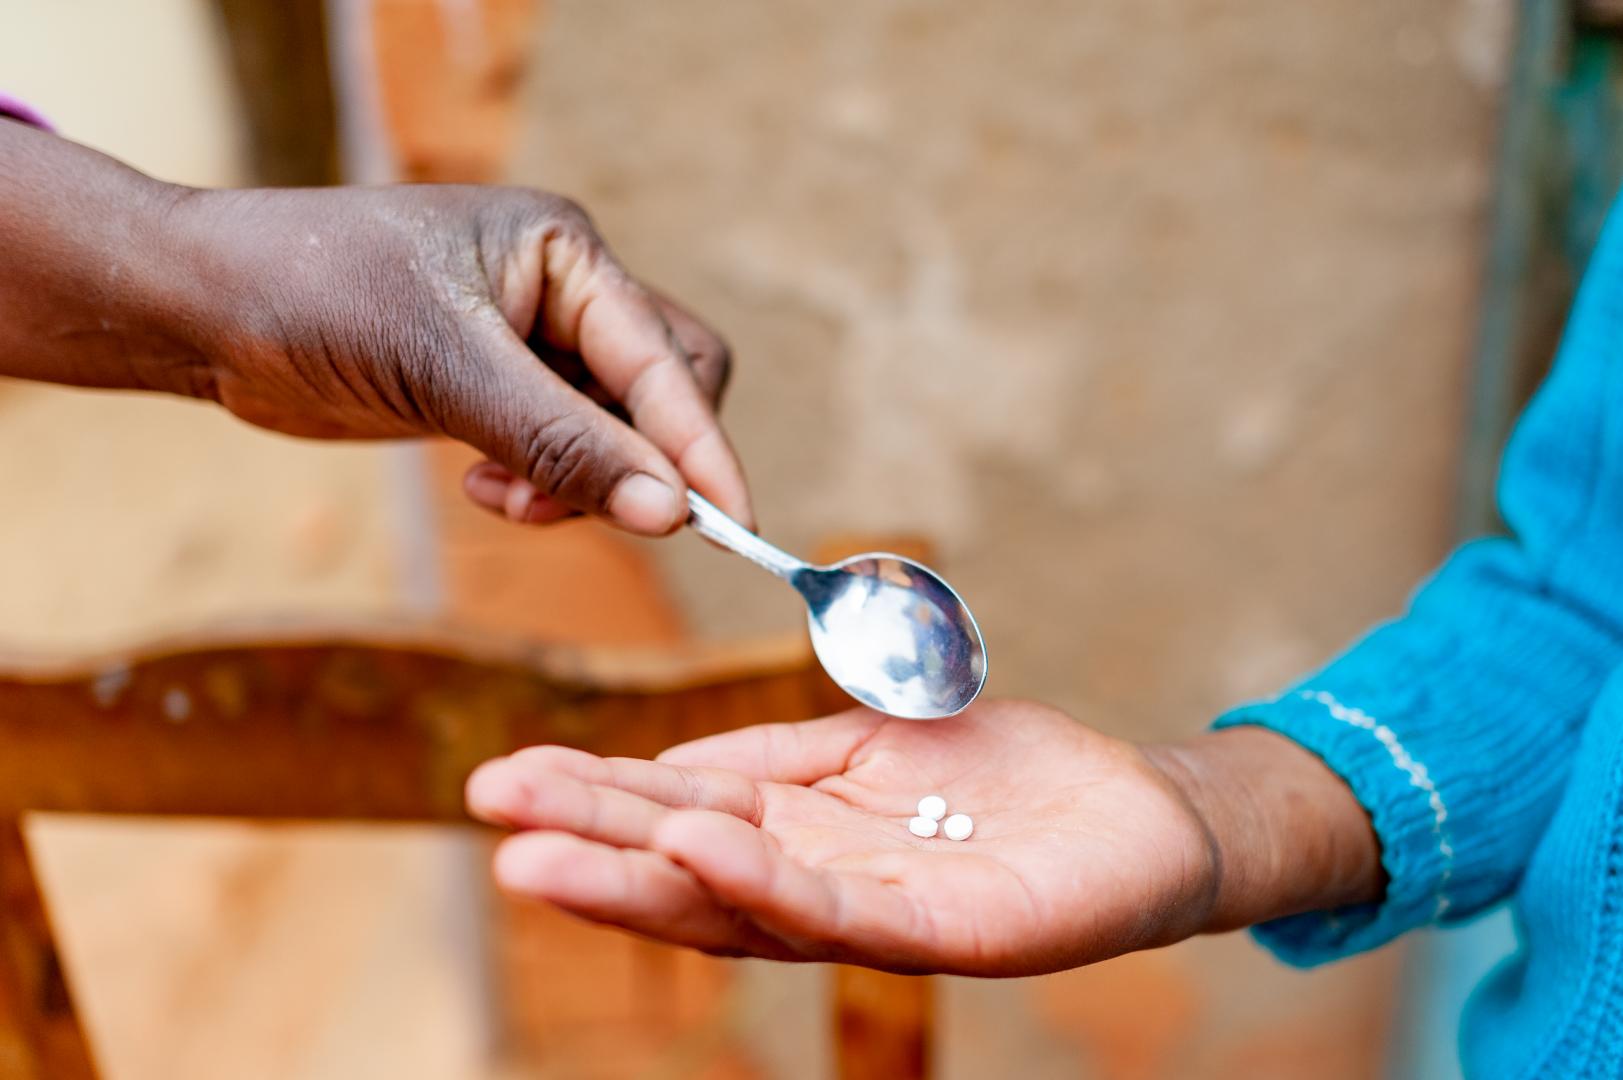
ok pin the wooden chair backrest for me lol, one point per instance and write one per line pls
(373, 723)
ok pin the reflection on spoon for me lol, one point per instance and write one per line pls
(889, 631)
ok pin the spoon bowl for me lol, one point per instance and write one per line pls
(888, 630)
(894, 635)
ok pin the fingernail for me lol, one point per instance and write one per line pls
(519, 497)
(495, 795)
(486, 485)
(645, 505)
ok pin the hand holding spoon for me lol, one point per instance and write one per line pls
(890, 632)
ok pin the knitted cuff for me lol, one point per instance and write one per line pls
(1408, 813)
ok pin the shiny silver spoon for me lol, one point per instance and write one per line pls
(890, 632)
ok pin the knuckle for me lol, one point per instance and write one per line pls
(562, 458)
(568, 234)
(716, 359)
(693, 787)
(564, 212)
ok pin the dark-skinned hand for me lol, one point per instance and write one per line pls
(496, 316)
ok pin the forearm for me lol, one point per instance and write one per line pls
(1287, 834)
(95, 288)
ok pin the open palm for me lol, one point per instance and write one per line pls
(790, 841)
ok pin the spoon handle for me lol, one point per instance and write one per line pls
(712, 524)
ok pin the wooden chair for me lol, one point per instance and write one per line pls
(381, 723)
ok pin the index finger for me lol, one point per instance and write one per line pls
(618, 329)
(524, 789)
(801, 753)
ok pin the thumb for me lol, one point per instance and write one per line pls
(527, 419)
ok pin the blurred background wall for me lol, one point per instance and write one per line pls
(1153, 314)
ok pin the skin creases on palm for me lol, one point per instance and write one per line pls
(790, 841)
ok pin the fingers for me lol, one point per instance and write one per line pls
(608, 799)
(570, 450)
(637, 890)
(708, 355)
(592, 856)
(563, 291)
(562, 803)
(590, 305)
(802, 753)
(687, 875)
(492, 487)
(620, 841)
(852, 915)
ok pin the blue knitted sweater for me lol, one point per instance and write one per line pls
(1483, 730)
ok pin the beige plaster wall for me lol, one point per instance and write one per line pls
(1154, 314)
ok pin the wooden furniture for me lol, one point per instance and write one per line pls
(374, 723)
(278, 53)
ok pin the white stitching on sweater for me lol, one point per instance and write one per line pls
(1418, 776)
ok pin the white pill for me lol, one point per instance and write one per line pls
(958, 827)
(922, 827)
(933, 807)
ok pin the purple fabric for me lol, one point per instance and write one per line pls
(10, 106)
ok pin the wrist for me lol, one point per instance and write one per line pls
(99, 294)
(181, 302)
(1287, 833)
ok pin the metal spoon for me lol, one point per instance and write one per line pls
(890, 632)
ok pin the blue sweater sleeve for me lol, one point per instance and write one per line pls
(1456, 724)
